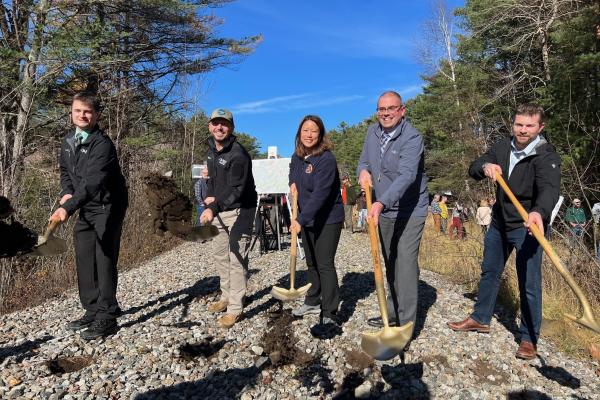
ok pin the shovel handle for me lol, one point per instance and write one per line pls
(587, 319)
(294, 244)
(52, 225)
(377, 270)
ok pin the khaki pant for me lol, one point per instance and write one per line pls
(231, 255)
(437, 223)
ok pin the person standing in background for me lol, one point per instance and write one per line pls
(200, 192)
(349, 200)
(484, 216)
(443, 204)
(436, 211)
(576, 218)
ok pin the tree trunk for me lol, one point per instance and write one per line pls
(26, 97)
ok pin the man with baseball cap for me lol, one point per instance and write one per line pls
(576, 219)
(231, 201)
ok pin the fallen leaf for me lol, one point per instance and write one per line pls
(12, 381)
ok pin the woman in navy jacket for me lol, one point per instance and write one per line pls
(314, 177)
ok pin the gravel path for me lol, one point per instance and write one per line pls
(169, 345)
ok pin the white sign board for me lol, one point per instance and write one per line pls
(197, 170)
(556, 208)
(272, 152)
(271, 176)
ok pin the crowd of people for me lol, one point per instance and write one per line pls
(391, 165)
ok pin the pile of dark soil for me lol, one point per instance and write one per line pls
(16, 238)
(358, 360)
(279, 342)
(170, 209)
(64, 365)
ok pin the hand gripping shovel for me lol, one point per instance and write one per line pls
(47, 244)
(390, 341)
(291, 293)
(587, 319)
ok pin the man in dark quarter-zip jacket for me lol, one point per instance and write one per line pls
(92, 183)
(531, 168)
(231, 202)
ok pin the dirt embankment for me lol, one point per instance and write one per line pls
(171, 210)
(16, 239)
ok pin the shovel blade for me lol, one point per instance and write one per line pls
(48, 247)
(386, 343)
(202, 232)
(289, 294)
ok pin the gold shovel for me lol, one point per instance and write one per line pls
(202, 232)
(47, 244)
(390, 341)
(587, 319)
(291, 293)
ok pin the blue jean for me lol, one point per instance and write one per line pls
(497, 248)
(199, 211)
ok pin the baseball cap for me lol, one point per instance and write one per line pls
(221, 113)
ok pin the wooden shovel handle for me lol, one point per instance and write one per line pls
(587, 319)
(377, 270)
(294, 243)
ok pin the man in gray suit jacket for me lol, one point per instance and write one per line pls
(392, 161)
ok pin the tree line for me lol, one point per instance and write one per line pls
(483, 59)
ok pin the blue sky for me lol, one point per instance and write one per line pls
(331, 58)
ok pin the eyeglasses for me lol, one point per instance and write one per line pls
(391, 109)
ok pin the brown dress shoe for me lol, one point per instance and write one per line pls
(527, 351)
(219, 306)
(228, 320)
(467, 325)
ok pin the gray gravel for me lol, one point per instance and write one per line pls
(166, 321)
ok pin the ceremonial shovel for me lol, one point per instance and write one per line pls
(390, 341)
(291, 293)
(587, 319)
(202, 232)
(47, 244)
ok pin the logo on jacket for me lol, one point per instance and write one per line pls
(84, 151)
(222, 161)
(309, 169)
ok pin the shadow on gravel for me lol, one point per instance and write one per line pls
(427, 298)
(405, 380)
(558, 375)
(228, 384)
(207, 348)
(355, 286)
(527, 395)
(23, 350)
(284, 281)
(316, 377)
(169, 301)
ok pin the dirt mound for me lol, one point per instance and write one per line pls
(170, 209)
(65, 365)
(279, 342)
(16, 238)
(358, 360)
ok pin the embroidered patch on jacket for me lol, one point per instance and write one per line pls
(309, 169)
(222, 161)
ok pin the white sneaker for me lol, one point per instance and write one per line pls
(305, 309)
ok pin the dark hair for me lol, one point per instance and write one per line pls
(531, 109)
(323, 143)
(89, 98)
